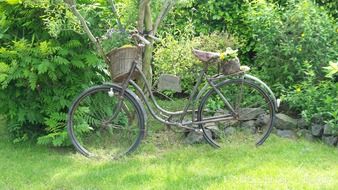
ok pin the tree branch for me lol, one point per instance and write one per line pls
(72, 6)
(147, 18)
(168, 4)
(141, 14)
(118, 20)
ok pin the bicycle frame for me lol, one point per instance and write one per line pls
(165, 115)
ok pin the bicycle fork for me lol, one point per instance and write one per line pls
(121, 94)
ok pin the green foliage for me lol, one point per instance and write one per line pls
(46, 60)
(315, 99)
(287, 42)
(231, 16)
(228, 55)
(293, 42)
(102, 21)
(174, 56)
(312, 98)
(213, 16)
(209, 15)
(332, 70)
(291, 38)
(329, 5)
(40, 75)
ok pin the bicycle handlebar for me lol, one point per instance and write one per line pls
(141, 38)
(154, 37)
(132, 34)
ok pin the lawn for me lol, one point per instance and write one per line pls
(164, 162)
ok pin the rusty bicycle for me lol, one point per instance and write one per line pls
(109, 120)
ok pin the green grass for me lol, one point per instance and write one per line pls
(164, 162)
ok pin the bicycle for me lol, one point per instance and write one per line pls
(109, 120)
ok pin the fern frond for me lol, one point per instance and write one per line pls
(73, 44)
(60, 60)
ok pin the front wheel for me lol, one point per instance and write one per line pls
(249, 121)
(99, 128)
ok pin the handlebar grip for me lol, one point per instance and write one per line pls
(142, 39)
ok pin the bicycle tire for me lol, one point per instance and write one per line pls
(253, 133)
(89, 126)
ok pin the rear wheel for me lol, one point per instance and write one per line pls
(251, 121)
(93, 130)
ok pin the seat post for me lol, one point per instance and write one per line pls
(206, 66)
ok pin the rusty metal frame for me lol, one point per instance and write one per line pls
(164, 115)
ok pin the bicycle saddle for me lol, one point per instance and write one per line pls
(205, 56)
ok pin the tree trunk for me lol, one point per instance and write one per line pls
(145, 25)
(149, 48)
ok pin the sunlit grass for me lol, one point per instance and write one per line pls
(164, 162)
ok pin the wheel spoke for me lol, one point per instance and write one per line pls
(95, 133)
(249, 101)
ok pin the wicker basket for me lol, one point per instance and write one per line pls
(121, 60)
(230, 67)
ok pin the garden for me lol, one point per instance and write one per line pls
(52, 51)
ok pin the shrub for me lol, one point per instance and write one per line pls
(212, 15)
(329, 5)
(288, 39)
(40, 75)
(216, 16)
(174, 56)
(312, 99)
(209, 16)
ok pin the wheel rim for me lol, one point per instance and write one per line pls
(93, 130)
(253, 118)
